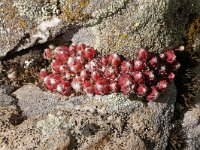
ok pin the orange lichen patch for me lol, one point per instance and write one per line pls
(194, 29)
(22, 23)
(10, 16)
(76, 13)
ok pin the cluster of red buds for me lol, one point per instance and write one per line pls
(78, 68)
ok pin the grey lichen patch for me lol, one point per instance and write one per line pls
(89, 36)
(114, 33)
(111, 8)
(37, 11)
(53, 123)
(191, 128)
(114, 103)
(191, 118)
(12, 27)
(5, 99)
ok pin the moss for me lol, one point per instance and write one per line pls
(193, 30)
(74, 14)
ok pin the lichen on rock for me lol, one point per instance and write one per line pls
(53, 123)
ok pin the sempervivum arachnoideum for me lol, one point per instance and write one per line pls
(139, 65)
(115, 60)
(142, 90)
(88, 87)
(61, 53)
(101, 87)
(142, 54)
(78, 68)
(96, 75)
(111, 73)
(64, 88)
(126, 84)
(153, 95)
(127, 67)
(48, 54)
(77, 84)
(114, 86)
(51, 81)
(43, 73)
(153, 62)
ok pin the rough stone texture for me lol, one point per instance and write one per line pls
(124, 25)
(117, 25)
(5, 99)
(81, 122)
(191, 121)
(33, 101)
(191, 127)
(196, 70)
(78, 129)
(147, 124)
(20, 24)
(27, 135)
(94, 131)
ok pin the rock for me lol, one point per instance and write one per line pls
(26, 135)
(191, 119)
(117, 25)
(5, 99)
(108, 135)
(191, 127)
(102, 118)
(23, 23)
(196, 69)
(45, 120)
(129, 141)
(93, 122)
(6, 114)
(33, 101)
(124, 25)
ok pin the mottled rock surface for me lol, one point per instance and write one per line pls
(191, 121)
(5, 99)
(191, 127)
(42, 120)
(110, 116)
(196, 70)
(117, 25)
(26, 135)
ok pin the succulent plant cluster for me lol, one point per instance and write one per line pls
(80, 69)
